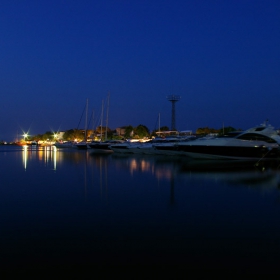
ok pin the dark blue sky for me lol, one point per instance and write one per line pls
(221, 57)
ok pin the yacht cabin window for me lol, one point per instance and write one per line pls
(256, 137)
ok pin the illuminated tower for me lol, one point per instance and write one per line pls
(173, 99)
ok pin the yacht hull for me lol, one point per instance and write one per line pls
(229, 152)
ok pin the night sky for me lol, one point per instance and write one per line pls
(221, 57)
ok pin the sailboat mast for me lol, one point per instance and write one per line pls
(108, 98)
(101, 119)
(86, 120)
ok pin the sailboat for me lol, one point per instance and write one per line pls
(103, 147)
(83, 144)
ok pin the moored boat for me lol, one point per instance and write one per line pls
(83, 145)
(103, 147)
(67, 144)
(146, 147)
(125, 147)
(260, 142)
(167, 147)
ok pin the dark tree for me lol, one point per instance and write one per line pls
(141, 131)
(72, 134)
(128, 131)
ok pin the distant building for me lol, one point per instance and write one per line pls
(120, 131)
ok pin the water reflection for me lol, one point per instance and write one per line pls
(160, 167)
(46, 154)
(264, 175)
(73, 207)
(24, 157)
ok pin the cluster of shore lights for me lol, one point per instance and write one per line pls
(25, 135)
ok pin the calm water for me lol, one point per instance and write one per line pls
(71, 208)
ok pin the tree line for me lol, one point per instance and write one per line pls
(128, 132)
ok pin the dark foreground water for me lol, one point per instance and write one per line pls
(68, 208)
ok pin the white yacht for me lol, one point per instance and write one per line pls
(261, 142)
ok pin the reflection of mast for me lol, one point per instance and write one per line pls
(100, 175)
(103, 176)
(85, 179)
(106, 179)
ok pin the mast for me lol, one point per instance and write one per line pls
(101, 120)
(108, 98)
(86, 121)
(92, 120)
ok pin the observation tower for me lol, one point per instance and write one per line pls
(173, 99)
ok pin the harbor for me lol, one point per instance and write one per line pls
(257, 144)
(140, 134)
